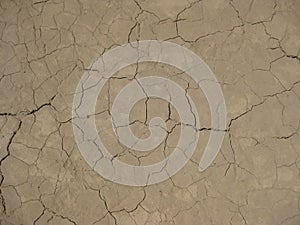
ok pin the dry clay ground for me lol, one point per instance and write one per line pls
(252, 46)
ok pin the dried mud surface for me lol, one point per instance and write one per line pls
(251, 46)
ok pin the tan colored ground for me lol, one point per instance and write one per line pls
(252, 47)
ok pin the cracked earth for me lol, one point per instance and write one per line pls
(253, 48)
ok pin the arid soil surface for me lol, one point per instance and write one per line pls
(252, 47)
